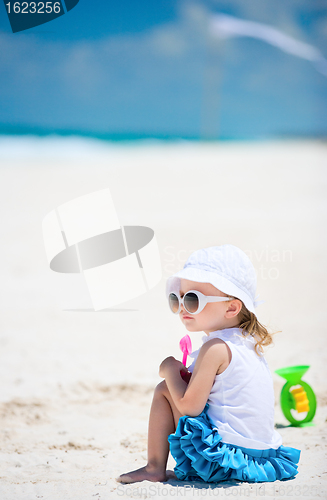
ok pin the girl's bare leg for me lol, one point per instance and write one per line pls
(163, 421)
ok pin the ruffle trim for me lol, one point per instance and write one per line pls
(201, 455)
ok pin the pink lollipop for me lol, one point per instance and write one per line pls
(185, 345)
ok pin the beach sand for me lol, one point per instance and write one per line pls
(76, 386)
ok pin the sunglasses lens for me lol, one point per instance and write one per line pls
(191, 302)
(173, 302)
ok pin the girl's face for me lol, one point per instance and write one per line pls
(215, 315)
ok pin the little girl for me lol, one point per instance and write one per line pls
(217, 416)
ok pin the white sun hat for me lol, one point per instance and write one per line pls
(226, 267)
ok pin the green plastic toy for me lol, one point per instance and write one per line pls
(297, 399)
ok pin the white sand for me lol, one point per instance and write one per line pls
(76, 386)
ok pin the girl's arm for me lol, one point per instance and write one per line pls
(190, 399)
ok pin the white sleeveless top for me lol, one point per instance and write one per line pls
(241, 401)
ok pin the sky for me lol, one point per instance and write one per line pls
(150, 69)
(103, 19)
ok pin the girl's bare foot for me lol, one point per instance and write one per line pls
(146, 473)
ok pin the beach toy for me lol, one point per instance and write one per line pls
(185, 345)
(297, 399)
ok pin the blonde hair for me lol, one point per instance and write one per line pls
(250, 325)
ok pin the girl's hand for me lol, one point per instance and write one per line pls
(170, 363)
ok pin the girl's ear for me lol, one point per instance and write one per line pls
(234, 307)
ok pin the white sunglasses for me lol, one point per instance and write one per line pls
(193, 301)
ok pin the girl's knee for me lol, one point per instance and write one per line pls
(161, 387)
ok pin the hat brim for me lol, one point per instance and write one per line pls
(218, 281)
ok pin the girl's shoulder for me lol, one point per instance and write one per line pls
(214, 344)
(218, 352)
(215, 348)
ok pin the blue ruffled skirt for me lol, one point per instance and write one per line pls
(201, 455)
